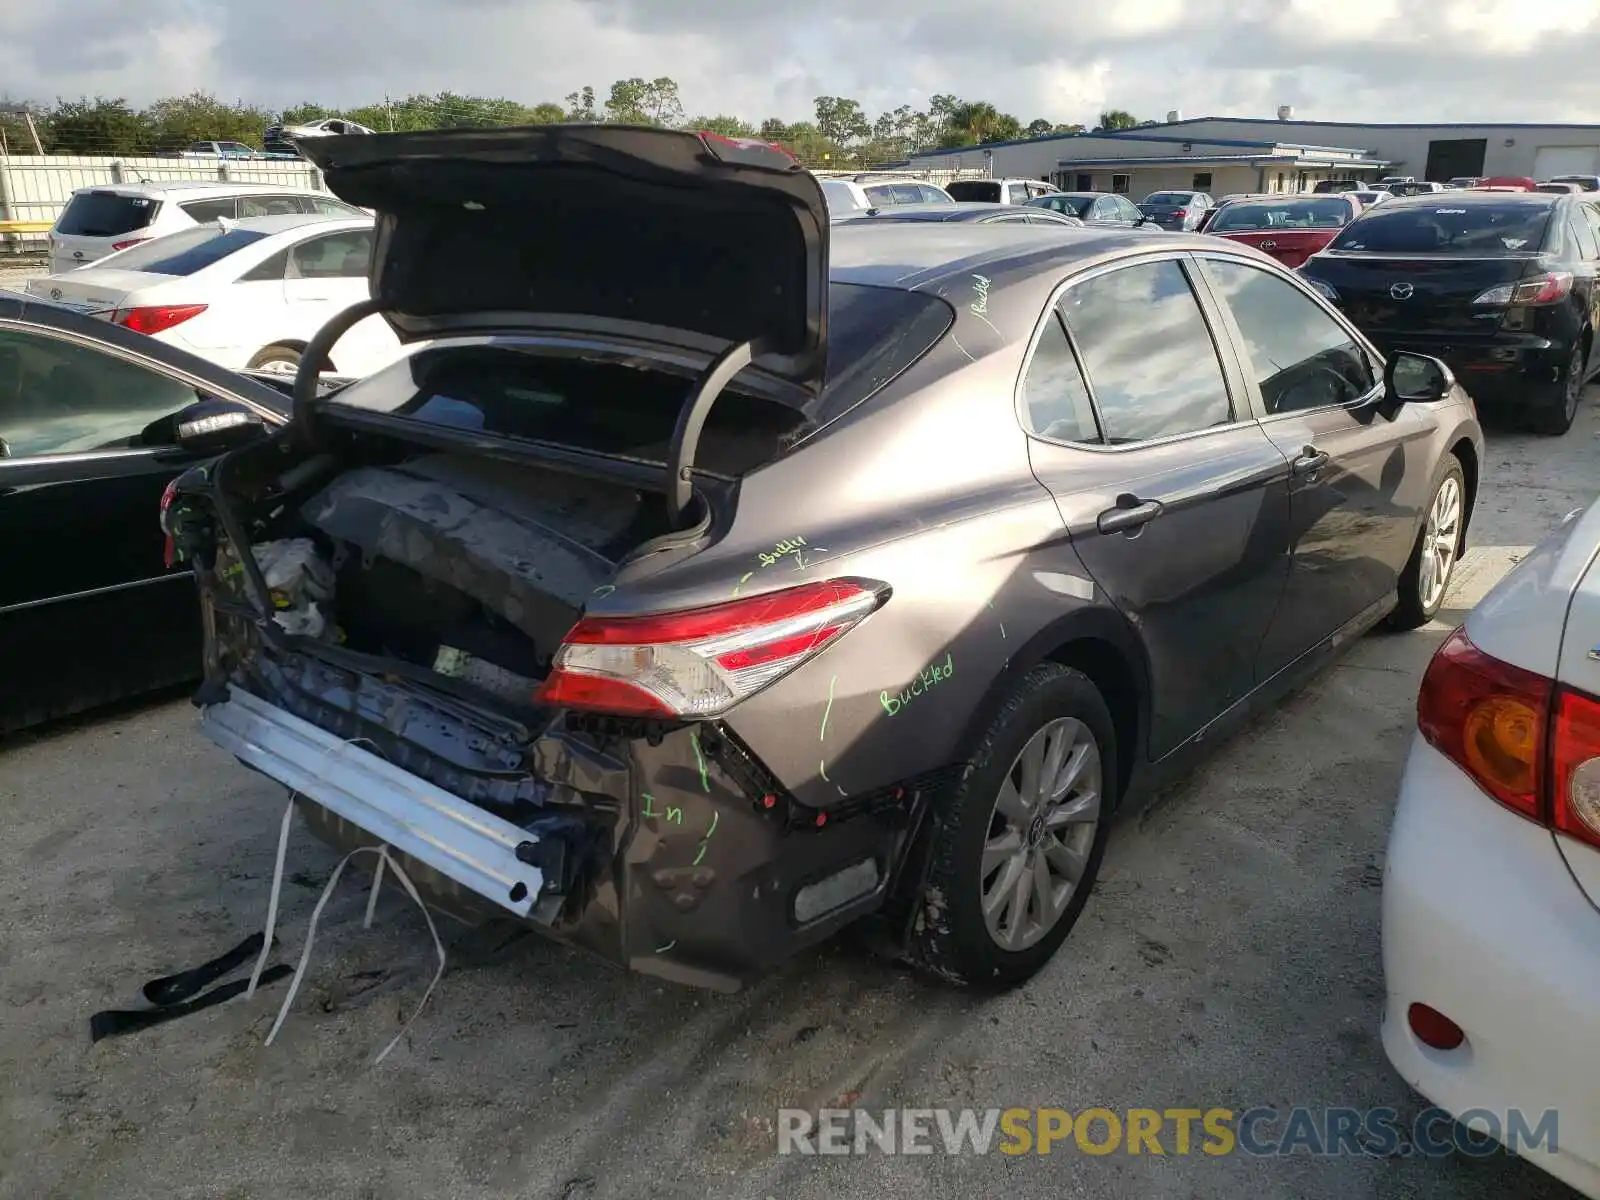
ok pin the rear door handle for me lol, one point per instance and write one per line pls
(1129, 514)
(1311, 461)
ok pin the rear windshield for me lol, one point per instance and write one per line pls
(1164, 198)
(105, 214)
(520, 393)
(184, 253)
(974, 189)
(1077, 206)
(1505, 227)
(1281, 214)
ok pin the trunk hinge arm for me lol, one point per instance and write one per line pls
(315, 358)
(692, 419)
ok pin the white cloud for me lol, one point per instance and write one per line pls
(1360, 60)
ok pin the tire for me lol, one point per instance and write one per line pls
(951, 938)
(1421, 597)
(276, 358)
(1555, 417)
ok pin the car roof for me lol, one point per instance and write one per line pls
(920, 254)
(970, 210)
(283, 222)
(1468, 196)
(198, 187)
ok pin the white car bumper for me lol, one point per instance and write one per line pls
(1482, 921)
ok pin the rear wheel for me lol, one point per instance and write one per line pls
(1433, 559)
(280, 360)
(1018, 841)
(1556, 416)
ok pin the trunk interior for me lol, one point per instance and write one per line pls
(467, 567)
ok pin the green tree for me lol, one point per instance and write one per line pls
(178, 121)
(99, 126)
(734, 127)
(1038, 127)
(639, 101)
(841, 120)
(581, 106)
(544, 114)
(1116, 118)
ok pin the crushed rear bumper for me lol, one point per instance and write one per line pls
(683, 867)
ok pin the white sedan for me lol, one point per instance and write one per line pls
(247, 294)
(1491, 892)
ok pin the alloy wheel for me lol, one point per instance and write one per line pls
(1040, 834)
(1441, 538)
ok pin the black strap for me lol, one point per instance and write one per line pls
(114, 1022)
(171, 989)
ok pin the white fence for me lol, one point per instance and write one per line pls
(36, 187)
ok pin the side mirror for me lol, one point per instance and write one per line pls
(5, 448)
(215, 426)
(1416, 378)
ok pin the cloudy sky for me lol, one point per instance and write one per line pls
(1422, 60)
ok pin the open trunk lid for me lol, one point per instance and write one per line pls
(692, 240)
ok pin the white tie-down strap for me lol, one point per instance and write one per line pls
(384, 861)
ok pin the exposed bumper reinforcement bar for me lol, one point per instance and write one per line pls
(475, 848)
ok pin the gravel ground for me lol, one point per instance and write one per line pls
(17, 269)
(1229, 958)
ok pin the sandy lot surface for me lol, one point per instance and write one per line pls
(1229, 958)
(17, 269)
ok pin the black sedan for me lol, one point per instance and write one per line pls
(95, 421)
(1501, 285)
(1102, 210)
(975, 212)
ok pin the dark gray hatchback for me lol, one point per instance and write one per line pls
(705, 587)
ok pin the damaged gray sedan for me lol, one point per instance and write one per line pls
(703, 588)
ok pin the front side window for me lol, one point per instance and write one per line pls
(880, 195)
(1156, 376)
(60, 397)
(1301, 356)
(1129, 210)
(907, 193)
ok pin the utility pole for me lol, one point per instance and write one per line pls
(388, 109)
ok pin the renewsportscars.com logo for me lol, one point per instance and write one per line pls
(1259, 1132)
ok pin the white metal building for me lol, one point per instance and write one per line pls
(1245, 154)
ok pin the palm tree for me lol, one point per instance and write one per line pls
(1116, 118)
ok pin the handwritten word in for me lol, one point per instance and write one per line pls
(674, 814)
(792, 545)
(980, 289)
(932, 675)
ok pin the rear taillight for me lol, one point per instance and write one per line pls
(701, 662)
(1575, 766)
(129, 242)
(1181, 213)
(1542, 289)
(1489, 718)
(157, 318)
(169, 550)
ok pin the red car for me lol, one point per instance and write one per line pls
(1507, 183)
(1290, 228)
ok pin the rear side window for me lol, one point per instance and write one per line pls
(206, 211)
(932, 195)
(336, 256)
(185, 252)
(907, 193)
(1467, 227)
(270, 206)
(880, 196)
(331, 208)
(1055, 400)
(105, 214)
(985, 190)
(1154, 377)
